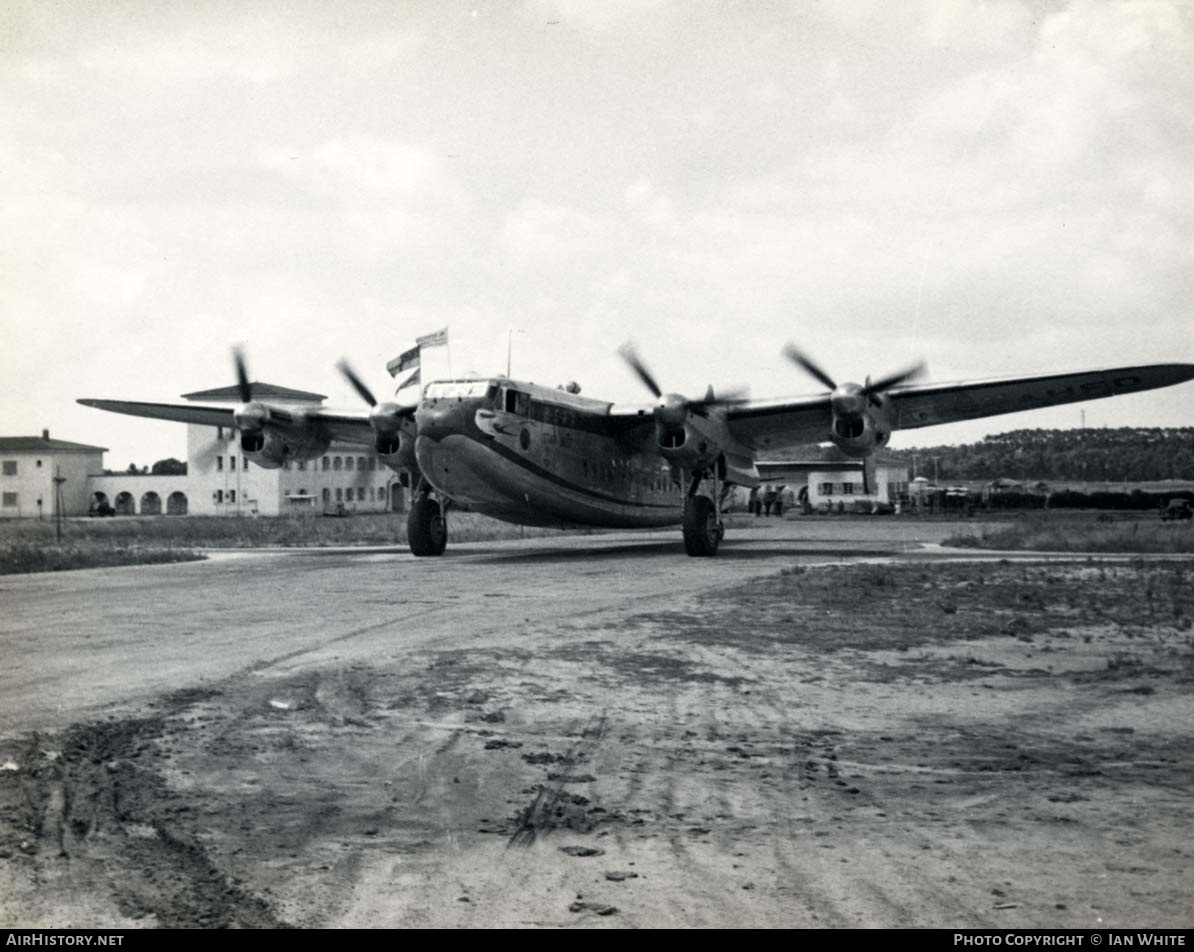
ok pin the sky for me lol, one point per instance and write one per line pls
(995, 187)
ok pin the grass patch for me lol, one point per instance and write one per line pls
(1042, 533)
(231, 532)
(22, 558)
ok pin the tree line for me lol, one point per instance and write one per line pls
(1135, 454)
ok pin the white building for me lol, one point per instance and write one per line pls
(29, 466)
(829, 487)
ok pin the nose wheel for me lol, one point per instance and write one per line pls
(427, 527)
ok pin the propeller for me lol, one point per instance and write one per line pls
(386, 418)
(849, 399)
(244, 389)
(249, 415)
(673, 408)
(357, 383)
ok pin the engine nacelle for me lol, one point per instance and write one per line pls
(686, 447)
(270, 448)
(397, 451)
(859, 436)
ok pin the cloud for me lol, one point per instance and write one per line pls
(538, 235)
(649, 206)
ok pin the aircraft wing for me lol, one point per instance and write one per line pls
(930, 404)
(764, 424)
(344, 426)
(784, 422)
(204, 416)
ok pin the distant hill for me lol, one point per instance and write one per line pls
(1134, 454)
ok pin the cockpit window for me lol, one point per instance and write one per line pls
(514, 401)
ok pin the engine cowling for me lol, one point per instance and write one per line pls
(397, 451)
(686, 447)
(270, 448)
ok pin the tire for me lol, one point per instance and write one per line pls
(702, 534)
(426, 528)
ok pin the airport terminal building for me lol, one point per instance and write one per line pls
(219, 480)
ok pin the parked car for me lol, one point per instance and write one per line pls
(1178, 509)
(102, 509)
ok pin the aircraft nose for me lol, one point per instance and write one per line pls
(439, 419)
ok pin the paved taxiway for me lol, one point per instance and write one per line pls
(73, 643)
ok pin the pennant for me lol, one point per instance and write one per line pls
(438, 339)
(404, 361)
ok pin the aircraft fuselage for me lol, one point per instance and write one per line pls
(540, 456)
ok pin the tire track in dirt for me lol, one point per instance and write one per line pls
(554, 807)
(96, 798)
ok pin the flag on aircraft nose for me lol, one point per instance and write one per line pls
(404, 361)
(438, 339)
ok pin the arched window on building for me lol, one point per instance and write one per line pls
(151, 504)
(176, 504)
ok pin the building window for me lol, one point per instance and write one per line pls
(219, 432)
(339, 495)
(847, 489)
(219, 463)
(10, 468)
(244, 462)
(348, 462)
(825, 489)
(326, 464)
(232, 495)
(372, 463)
(360, 462)
(232, 463)
(286, 464)
(218, 496)
(302, 465)
(337, 464)
(10, 500)
(348, 494)
(327, 493)
(39, 464)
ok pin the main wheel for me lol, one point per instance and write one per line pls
(702, 534)
(426, 528)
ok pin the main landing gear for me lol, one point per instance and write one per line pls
(703, 527)
(427, 525)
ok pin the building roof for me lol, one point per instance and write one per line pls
(261, 391)
(35, 444)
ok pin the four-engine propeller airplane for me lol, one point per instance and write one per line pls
(537, 455)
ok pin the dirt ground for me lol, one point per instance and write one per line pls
(908, 744)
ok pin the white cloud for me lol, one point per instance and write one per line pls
(649, 206)
(538, 235)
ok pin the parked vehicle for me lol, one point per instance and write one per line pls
(1178, 509)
